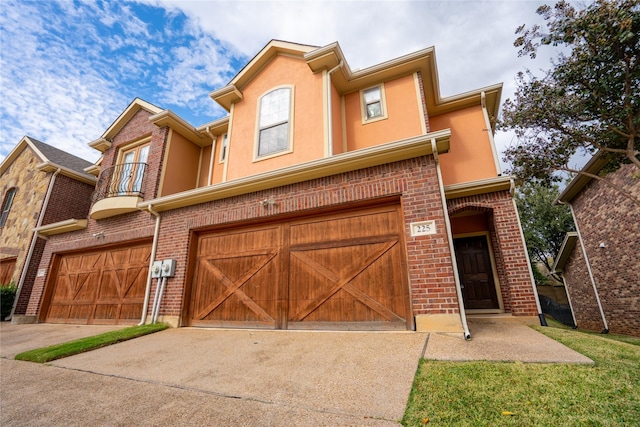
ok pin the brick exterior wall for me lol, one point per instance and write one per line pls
(580, 290)
(605, 216)
(508, 248)
(413, 181)
(69, 199)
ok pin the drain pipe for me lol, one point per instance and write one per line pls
(154, 247)
(32, 246)
(566, 289)
(447, 222)
(541, 318)
(329, 115)
(158, 298)
(593, 281)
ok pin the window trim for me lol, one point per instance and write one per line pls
(256, 145)
(7, 203)
(224, 147)
(383, 105)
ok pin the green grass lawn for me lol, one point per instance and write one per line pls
(58, 351)
(533, 394)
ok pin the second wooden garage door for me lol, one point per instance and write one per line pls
(99, 287)
(340, 271)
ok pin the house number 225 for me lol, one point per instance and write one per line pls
(423, 228)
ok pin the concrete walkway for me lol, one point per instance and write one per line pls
(192, 376)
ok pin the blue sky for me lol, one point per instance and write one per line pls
(69, 68)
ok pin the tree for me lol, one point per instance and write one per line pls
(588, 101)
(544, 223)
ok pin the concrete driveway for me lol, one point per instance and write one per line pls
(192, 376)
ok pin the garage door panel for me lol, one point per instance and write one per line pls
(352, 225)
(100, 286)
(241, 287)
(338, 271)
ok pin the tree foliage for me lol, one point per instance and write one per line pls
(544, 223)
(588, 101)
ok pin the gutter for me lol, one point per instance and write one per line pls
(329, 115)
(154, 247)
(454, 263)
(593, 281)
(32, 246)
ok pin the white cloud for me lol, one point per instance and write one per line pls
(67, 74)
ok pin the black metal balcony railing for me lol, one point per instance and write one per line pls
(120, 180)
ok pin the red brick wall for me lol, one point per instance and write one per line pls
(580, 290)
(69, 199)
(431, 279)
(605, 216)
(138, 127)
(509, 250)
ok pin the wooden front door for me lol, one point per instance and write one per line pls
(99, 287)
(476, 274)
(340, 271)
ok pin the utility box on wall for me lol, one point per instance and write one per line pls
(168, 268)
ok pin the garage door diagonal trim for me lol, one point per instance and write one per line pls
(344, 283)
(233, 288)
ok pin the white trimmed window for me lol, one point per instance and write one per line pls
(274, 122)
(373, 104)
(224, 148)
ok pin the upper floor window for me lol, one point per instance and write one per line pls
(373, 104)
(223, 149)
(6, 205)
(274, 122)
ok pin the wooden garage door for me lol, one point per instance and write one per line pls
(340, 271)
(99, 287)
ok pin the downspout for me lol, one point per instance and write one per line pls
(454, 263)
(32, 246)
(492, 143)
(214, 140)
(593, 281)
(573, 316)
(329, 115)
(154, 247)
(541, 318)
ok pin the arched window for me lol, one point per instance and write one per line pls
(274, 122)
(6, 205)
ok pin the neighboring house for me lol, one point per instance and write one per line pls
(40, 185)
(600, 261)
(326, 198)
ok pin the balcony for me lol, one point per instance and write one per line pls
(118, 190)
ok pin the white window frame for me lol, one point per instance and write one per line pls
(224, 148)
(383, 104)
(289, 148)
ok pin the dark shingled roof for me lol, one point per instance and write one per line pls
(61, 158)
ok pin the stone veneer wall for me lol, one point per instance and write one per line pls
(605, 216)
(31, 185)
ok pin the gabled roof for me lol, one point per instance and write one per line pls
(593, 166)
(345, 80)
(562, 257)
(51, 159)
(104, 142)
(158, 116)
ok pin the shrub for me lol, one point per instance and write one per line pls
(7, 295)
